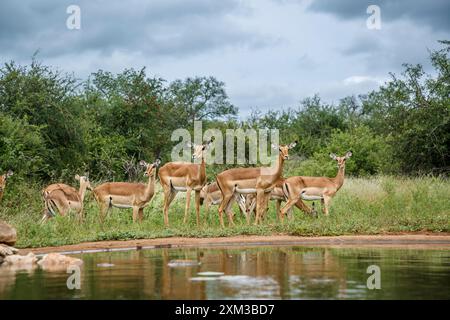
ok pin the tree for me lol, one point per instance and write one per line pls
(201, 98)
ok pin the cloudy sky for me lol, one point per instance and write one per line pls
(270, 53)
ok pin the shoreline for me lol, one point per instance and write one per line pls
(406, 241)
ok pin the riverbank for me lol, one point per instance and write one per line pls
(363, 206)
(405, 241)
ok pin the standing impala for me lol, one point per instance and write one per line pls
(315, 188)
(251, 180)
(3, 179)
(62, 198)
(127, 194)
(184, 177)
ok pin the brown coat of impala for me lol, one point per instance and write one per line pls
(61, 198)
(126, 195)
(259, 180)
(3, 179)
(315, 188)
(211, 195)
(277, 195)
(184, 177)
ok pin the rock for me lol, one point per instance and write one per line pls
(20, 261)
(8, 234)
(1, 260)
(7, 250)
(57, 262)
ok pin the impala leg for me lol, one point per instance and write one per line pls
(188, 204)
(103, 211)
(135, 213)
(207, 205)
(326, 202)
(169, 195)
(287, 207)
(230, 212)
(278, 205)
(302, 206)
(259, 205)
(197, 205)
(226, 199)
(141, 214)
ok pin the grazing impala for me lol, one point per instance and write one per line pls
(3, 179)
(62, 198)
(277, 195)
(127, 194)
(251, 180)
(315, 188)
(184, 177)
(211, 195)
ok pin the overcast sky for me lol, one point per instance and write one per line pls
(270, 53)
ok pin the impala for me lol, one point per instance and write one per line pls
(315, 188)
(128, 194)
(3, 179)
(62, 198)
(211, 195)
(277, 195)
(259, 180)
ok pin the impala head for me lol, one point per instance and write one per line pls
(341, 160)
(199, 149)
(3, 179)
(284, 149)
(84, 181)
(150, 168)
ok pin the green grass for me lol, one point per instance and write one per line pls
(377, 205)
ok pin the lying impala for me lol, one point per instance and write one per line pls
(62, 198)
(127, 194)
(315, 188)
(211, 195)
(184, 177)
(251, 180)
(3, 179)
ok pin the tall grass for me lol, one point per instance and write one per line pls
(363, 206)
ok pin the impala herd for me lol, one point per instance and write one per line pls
(251, 188)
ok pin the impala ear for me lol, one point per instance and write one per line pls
(157, 162)
(142, 163)
(333, 156)
(293, 144)
(190, 144)
(348, 154)
(77, 177)
(9, 173)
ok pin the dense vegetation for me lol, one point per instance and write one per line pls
(53, 126)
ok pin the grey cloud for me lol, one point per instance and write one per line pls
(434, 14)
(173, 28)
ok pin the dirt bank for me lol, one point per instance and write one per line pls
(410, 241)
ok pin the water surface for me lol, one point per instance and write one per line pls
(280, 272)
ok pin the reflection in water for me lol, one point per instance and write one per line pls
(241, 273)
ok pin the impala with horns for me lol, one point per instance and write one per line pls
(3, 179)
(260, 180)
(126, 195)
(315, 188)
(184, 177)
(61, 198)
